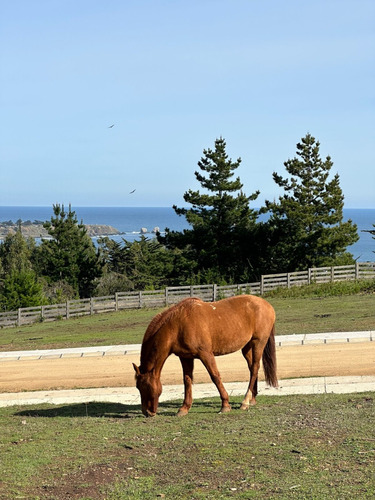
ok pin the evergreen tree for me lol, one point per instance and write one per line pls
(70, 255)
(16, 252)
(306, 227)
(142, 264)
(21, 288)
(19, 285)
(219, 219)
(113, 254)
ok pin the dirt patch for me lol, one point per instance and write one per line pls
(117, 371)
(86, 482)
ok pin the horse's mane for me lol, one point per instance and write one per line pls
(160, 319)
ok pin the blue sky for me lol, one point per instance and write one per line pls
(172, 76)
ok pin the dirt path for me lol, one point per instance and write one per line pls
(117, 371)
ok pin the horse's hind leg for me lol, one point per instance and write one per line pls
(187, 368)
(208, 359)
(252, 352)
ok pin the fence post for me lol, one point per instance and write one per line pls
(166, 296)
(309, 276)
(116, 301)
(261, 284)
(214, 292)
(288, 280)
(42, 313)
(356, 270)
(67, 309)
(191, 291)
(140, 299)
(91, 306)
(19, 317)
(332, 274)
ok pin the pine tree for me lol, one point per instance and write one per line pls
(16, 252)
(219, 219)
(70, 255)
(21, 288)
(143, 264)
(19, 284)
(306, 227)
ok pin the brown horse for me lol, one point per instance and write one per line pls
(195, 329)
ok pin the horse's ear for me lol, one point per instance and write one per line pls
(136, 369)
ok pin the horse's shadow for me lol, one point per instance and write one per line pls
(91, 409)
(112, 410)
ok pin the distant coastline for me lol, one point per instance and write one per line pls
(35, 230)
(129, 223)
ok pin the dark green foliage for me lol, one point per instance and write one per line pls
(21, 289)
(146, 263)
(220, 221)
(16, 253)
(19, 285)
(306, 227)
(139, 265)
(70, 255)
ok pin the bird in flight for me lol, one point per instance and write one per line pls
(111, 126)
(131, 192)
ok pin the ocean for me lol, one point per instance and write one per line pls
(130, 220)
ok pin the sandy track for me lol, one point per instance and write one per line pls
(117, 371)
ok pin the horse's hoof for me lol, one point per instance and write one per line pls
(150, 415)
(182, 412)
(225, 409)
(246, 406)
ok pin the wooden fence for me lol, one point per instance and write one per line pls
(172, 295)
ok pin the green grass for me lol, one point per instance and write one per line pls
(125, 327)
(338, 288)
(324, 314)
(301, 314)
(319, 447)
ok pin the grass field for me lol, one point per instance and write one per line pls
(294, 315)
(319, 447)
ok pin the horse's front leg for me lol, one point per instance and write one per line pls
(187, 368)
(208, 359)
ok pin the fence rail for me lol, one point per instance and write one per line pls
(172, 295)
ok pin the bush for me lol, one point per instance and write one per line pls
(111, 283)
(59, 292)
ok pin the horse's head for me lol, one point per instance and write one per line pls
(150, 388)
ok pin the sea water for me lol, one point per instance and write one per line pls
(130, 220)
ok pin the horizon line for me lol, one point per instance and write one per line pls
(139, 206)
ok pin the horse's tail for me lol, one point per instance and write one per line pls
(269, 360)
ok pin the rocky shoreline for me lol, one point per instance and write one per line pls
(38, 231)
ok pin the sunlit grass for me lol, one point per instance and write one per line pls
(318, 446)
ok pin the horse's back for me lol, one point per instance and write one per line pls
(247, 308)
(224, 326)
